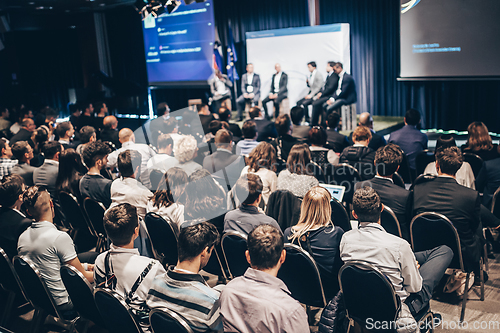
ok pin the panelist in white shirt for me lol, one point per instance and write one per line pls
(250, 90)
(278, 91)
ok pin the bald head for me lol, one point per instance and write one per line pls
(126, 135)
(365, 119)
(110, 122)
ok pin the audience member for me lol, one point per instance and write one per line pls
(185, 151)
(46, 175)
(70, 171)
(23, 152)
(409, 138)
(164, 201)
(225, 115)
(65, 131)
(360, 155)
(265, 128)
(182, 289)
(87, 135)
(335, 140)
(249, 142)
(316, 233)
(259, 301)
(285, 141)
(75, 112)
(25, 133)
(49, 248)
(157, 125)
(319, 153)
(479, 142)
(93, 184)
(4, 120)
(12, 221)
(299, 131)
(41, 136)
(101, 111)
(488, 180)
(246, 217)
(297, 177)
(109, 131)
(165, 147)
(86, 118)
(6, 161)
(24, 114)
(262, 162)
(204, 116)
(377, 140)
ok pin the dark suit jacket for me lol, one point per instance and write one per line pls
(330, 86)
(222, 159)
(376, 142)
(26, 171)
(396, 198)
(157, 127)
(22, 135)
(255, 85)
(285, 143)
(12, 225)
(111, 135)
(348, 90)
(283, 90)
(460, 204)
(46, 175)
(488, 180)
(301, 132)
(235, 129)
(411, 140)
(336, 141)
(362, 159)
(265, 129)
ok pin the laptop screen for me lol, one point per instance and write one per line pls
(336, 191)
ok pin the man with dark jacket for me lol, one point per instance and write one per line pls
(335, 140)
(360, 155)
(110, 132)
(225, 115)
(265, 128)
(278, 91)
(285, 141)
(299, 131)
(345, 93)
(24, 134)
(331, 84)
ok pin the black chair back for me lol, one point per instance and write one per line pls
(234, 245)
(95, 214)
(398, 180)
(495, 205)
(155, 178)
(475, 162)
(163, 237)
(429, 230)
(422, 179)
(284, 207)
(368, 294)
(316, 171)
(340, 217)
(115, 312)
(390, 222)
(8, 278)
(73, 213)
(81, 293)
(169, 321)
(344, 175)
(405, 172)
(301, 275)
(422, 160)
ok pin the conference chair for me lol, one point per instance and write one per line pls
(76, 219)
(115, 312)
(155, 178)
(234, 245)
(422, 179)
(301, 275)
(405, 171)
(429, 230)
(163, 234)
(495, 205)
(317, 172)
(369, 297)
(422, 160)
(345, 175)
(9, 281)
(475, 162)
(340, 217)
(169, 321)
(35, 290)
(95, 213)
(398, 180)
(81, 293)
(390, 222)
(284, 207)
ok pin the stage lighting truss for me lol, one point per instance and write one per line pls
(158, 7)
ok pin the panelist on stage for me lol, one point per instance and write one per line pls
(345, 93)
(314, 82)
(278, 91)
(250, 89)
(327, 91)
(220, 87)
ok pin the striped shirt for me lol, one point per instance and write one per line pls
(6, 165)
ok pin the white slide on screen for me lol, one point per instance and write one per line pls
(293, 48)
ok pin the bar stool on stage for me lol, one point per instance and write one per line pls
(348, 116)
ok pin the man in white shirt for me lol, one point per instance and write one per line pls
(278, 91)
(165, 147)
(250, 90)
(65, 131)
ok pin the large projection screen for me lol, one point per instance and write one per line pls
(293, 48)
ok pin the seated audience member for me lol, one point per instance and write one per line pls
(319, 153)
(409, 138)
(262, 162)
(377, 140)
(297, 177)
(165, 147)
(65, 131)
(204, 116)
(157, 125)
(246, 217)
(265, 128)
(23, 152)
(41, 136)
(388, 158)
(50, 248)
(185, 150)
(46, 175)
(6, 161)
(460, 204)
(171, 127)
(360, 155)
(93, 184)
(164, 201)
(335, 140)
(71, 170)
(182, 289)
(127, 139)
(87, 135)
(479, 142)
(122, 266)
(285, 141)
(213, 127)
(259, 301)
(4, 120)
(299, 131)
(12, 221)
(225, 115)
(101, 111)
(413, 275)
(126, 188)
(316, 233)
(464, 175)
(22, 114)
(249, 142)
(223, 164)
(488, 180)
(109, 131)
(24, 134)
(74, 118)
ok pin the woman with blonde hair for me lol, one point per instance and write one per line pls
(316, 233)
(479, 142)
(262, 162)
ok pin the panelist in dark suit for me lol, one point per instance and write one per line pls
(327, 91)
(265, 128)
(278, 91)
(250, 90)
(345, 93)
(460, 204)
(315, 83)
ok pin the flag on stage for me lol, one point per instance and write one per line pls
(231, 57)
(217, 52)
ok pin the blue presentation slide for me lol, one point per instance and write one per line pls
(179, 46)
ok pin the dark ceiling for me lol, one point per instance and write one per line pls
(61, 5)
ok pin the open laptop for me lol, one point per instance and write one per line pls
(336, 191)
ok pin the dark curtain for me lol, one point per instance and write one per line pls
(374, 28)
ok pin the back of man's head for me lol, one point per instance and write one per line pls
(283, 124)
(297, 113)
(333, 120)
(164, 140)
(224, 114)
(214, 126)
(120, 223)
(110, 122)
(86, 133)
(248, 188)
(365, 119)
(19, 150)
(27, 122)
(361, 133)
(449, 160)
(249, 129)
(51, 148)
(11, 187)
(201, 107)
(62, 128)
(254, 112)
(387, 159)
(128, 161)
(125, 135)
(37, 201)
(366, 204)
(412, 117)
(265, 244)
(3, 145)
(223, 138)
(162, 109)
(170, 125)
(194, 239)
(94, 151)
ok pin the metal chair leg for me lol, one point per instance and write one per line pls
(8, 308)
(464, 300)
(482, 279)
